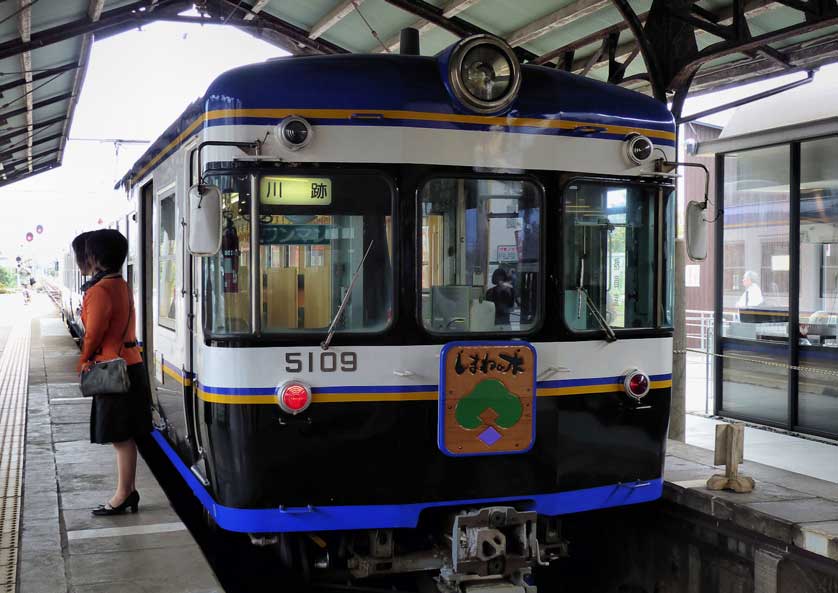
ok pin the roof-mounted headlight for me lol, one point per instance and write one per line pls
(482, 73)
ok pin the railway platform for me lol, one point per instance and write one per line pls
(51, 476)
(781, 537)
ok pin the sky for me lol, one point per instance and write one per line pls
(137, 84)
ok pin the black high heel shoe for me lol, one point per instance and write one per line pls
(132, 502)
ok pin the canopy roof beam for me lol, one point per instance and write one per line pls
(256, 9)
(5, 138)
(263, 24)
(121, 19)
(334, 16)
(25, 29)
(724, 17)
(455, 25)
(451, 9)
(560, 18)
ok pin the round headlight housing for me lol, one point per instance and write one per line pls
(639, 149)
(484, 74)
(294, 132)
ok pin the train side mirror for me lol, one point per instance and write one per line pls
(696, 227)
(204, 219)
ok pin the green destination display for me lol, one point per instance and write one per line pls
(295, 191)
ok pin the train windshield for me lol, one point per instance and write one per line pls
(614, 233)
(481, 255)
(314, 233)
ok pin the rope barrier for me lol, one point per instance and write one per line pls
(770, 363)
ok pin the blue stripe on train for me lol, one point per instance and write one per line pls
(416, 388)
(331, 518)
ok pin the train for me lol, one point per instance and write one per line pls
(401, 314)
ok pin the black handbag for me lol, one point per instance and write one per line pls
(109, 377)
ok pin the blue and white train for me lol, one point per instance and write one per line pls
(403, 313)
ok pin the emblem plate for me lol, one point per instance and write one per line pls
(486, 398)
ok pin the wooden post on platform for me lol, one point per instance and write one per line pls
(730, 451)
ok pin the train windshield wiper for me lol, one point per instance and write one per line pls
(325, 344)
(582, 292)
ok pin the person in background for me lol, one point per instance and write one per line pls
(502, 294)
(752, 297)
(109, 320)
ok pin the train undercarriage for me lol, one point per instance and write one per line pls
(486, 550)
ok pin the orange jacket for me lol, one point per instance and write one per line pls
(104, 313)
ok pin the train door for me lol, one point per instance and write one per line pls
(165, 323)
(191, 280)
(146, 279)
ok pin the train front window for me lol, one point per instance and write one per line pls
(227, 274)
(314, 233)
(611, 234)
(481, 255)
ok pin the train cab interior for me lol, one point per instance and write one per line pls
(314, 234)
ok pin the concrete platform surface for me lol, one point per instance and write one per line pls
(792, 508)
(63, 548)
(807, 456)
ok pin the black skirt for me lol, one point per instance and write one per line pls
(115, 418)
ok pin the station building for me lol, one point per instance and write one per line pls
(775, 262)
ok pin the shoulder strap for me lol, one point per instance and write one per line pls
(128, 322)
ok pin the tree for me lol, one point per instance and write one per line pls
(7, 278)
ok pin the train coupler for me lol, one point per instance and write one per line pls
(492, 549)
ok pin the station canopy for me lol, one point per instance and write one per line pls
(664, 48)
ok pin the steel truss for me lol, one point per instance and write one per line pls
(666, 37)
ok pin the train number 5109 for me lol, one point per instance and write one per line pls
(322, 362)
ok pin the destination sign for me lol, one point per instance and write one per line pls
(295, 191)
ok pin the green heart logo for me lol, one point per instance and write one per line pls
(489, 400)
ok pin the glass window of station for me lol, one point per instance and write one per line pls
(777, 315)
(324, 241)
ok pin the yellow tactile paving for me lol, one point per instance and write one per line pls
(14, 384)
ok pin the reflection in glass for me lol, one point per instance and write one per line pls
(481, 247)
(227, 274)
(818, 392)
(310, 250)
(756, 283)
(167, 267)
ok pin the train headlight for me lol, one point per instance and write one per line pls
(293, 397)
(637, 384)
(294, 132)
(638, 149)
(482, 73)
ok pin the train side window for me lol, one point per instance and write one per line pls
(166, 263)
(481, 268)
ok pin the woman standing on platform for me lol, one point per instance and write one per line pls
(109, 324)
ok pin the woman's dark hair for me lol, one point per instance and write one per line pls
(80, 249)
(499, 275)
(108, 247)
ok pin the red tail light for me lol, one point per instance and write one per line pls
(293, 397)
(636, 383)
